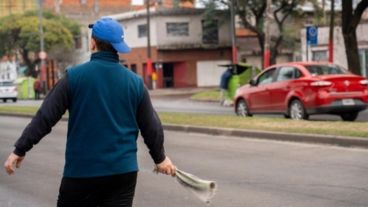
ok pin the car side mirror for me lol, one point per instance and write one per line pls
(253, 82)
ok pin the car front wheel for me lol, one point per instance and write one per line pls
(242, 108)
(352, 116)
(297, 111)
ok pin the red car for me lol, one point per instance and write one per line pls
(300, 89)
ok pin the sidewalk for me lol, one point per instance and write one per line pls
(176, 91)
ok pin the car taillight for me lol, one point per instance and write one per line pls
(321, 83)
(15, 89)
(364, 82)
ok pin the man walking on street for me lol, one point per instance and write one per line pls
(108, 105)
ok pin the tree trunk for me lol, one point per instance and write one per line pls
(352, 53)
(261, 39)
(274, 54)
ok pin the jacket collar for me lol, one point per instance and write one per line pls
(107, 56)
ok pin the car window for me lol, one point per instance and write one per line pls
(288, 73)
(325, 70)
(266, 77)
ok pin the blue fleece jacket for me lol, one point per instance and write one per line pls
(102, 131)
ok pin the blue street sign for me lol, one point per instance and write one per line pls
(312, 35)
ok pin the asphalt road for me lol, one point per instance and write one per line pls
(182, 103)
(248, 172)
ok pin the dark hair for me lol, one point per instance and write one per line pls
(104, 46)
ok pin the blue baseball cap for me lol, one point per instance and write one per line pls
(109, 30)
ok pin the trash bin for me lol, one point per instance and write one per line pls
(25, 87)
(242, 73)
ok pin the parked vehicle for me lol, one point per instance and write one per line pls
(300, 89)
(8, 90)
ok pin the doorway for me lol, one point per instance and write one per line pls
(168, 75)
(363, 56)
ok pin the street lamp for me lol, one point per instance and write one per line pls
(267, 51)
(149, 55)
(42, 54)
(331, 35)
(233, 34)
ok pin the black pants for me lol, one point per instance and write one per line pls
(109, 191)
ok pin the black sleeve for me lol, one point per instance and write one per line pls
(50, 112)
(151, 129)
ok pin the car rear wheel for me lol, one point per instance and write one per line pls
(4, 100)
(352, 116)
(242, 108)
(297, 111)
(14, 100)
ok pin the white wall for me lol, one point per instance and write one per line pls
(131, 32)
(339, 46)
(209, 72)
(195, 31)
(159, 35)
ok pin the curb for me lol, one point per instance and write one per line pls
(255, 134)
(278, 136)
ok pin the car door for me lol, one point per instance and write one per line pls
(283, 85)
(260, 97)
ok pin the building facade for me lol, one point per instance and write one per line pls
(8, 7)
(319, 52)
(185, 52)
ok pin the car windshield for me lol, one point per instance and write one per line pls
(7, 83)
(325, 70)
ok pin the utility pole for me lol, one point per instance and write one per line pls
(95, 6)
(57, 6)
(10, 7)
(42, 54)
(149, 55)
(267, 52)
(324, 11)
(331, 35)
(24, 5)
(233, 34)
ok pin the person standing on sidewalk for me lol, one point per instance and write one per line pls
(224, 85)
(37, 89)
(108, 105)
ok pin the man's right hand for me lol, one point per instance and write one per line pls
(166, 167)
(13, 160)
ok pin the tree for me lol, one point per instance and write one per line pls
(349, 24)
(19, 34)
(252, 15)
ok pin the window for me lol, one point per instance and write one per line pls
(288, 73)
(142, 30)
(266, 77)
(325, 69)
(78, 42)
(320, 55)
(133, 67)
(210, 32)
(177, 29)
(363, 54)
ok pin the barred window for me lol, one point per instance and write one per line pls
(176, 29)
(210, 32)
(142, 30)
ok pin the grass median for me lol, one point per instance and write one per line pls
(336, 128)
